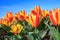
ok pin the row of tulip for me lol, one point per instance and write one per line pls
(34, 18)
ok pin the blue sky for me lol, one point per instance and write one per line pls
(27, 5)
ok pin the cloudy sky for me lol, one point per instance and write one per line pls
(27, 5)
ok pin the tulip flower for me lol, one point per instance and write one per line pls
(55, 17)
(16, 29)
(9, 16)
(44, 13)
(15, 19)
(0, 21)
(5, 22)
(37, 9)
(22, 15)
(34, 19)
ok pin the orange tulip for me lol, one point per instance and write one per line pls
(22, 15)
(44, 13)
(34, 19)
(0, 21)
(38, 10)
(55, 17)
(15, 19)
(16, 29)
(5, 22)
(9, 16)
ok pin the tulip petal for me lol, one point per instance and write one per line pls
(37, 10)
(53, 18)
(58, 18)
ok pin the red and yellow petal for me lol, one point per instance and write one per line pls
(0, 21)
(53, 17)
(37, 9)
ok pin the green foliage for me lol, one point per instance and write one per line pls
(45, 31)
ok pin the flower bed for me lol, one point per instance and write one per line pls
(38, 25)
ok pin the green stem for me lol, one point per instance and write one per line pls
(57, 30)
(47, 25)
(57, 34)
(35, 31)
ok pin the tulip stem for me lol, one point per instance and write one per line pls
(57, 33)
(47, 25)
(34, 30)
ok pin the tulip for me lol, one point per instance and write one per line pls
(37, 9)
(22, 15)
(44, 13)
(9, 16)
(5, 22)
(34, 19)
(15, 19)
(55, 17)
(0, 21)
(16, 29)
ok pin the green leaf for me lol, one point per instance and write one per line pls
(36, 31)
(18, 36)
(21, 22)
(54, 32)
(30, 37)
(30, 33)
(43, 33)
(7, 28)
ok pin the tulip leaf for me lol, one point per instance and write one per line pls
(43, 33)
(53, 31)
(7, 28)
(18, 36)
(30, 33)
(30, 37)
(21, 22)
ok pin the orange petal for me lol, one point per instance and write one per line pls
(0, 21)
(34, 18)
(53, 17)
(37, 9)
(58, 17)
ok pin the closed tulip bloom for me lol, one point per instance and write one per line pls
(0, 21)
(22, 15)
(16, 29)
(38, 10)
(55, 17)
(44, 13)
(15, 19)
(5, 22)
(9, 16)
(34, 19)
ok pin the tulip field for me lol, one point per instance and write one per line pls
(39, 24)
